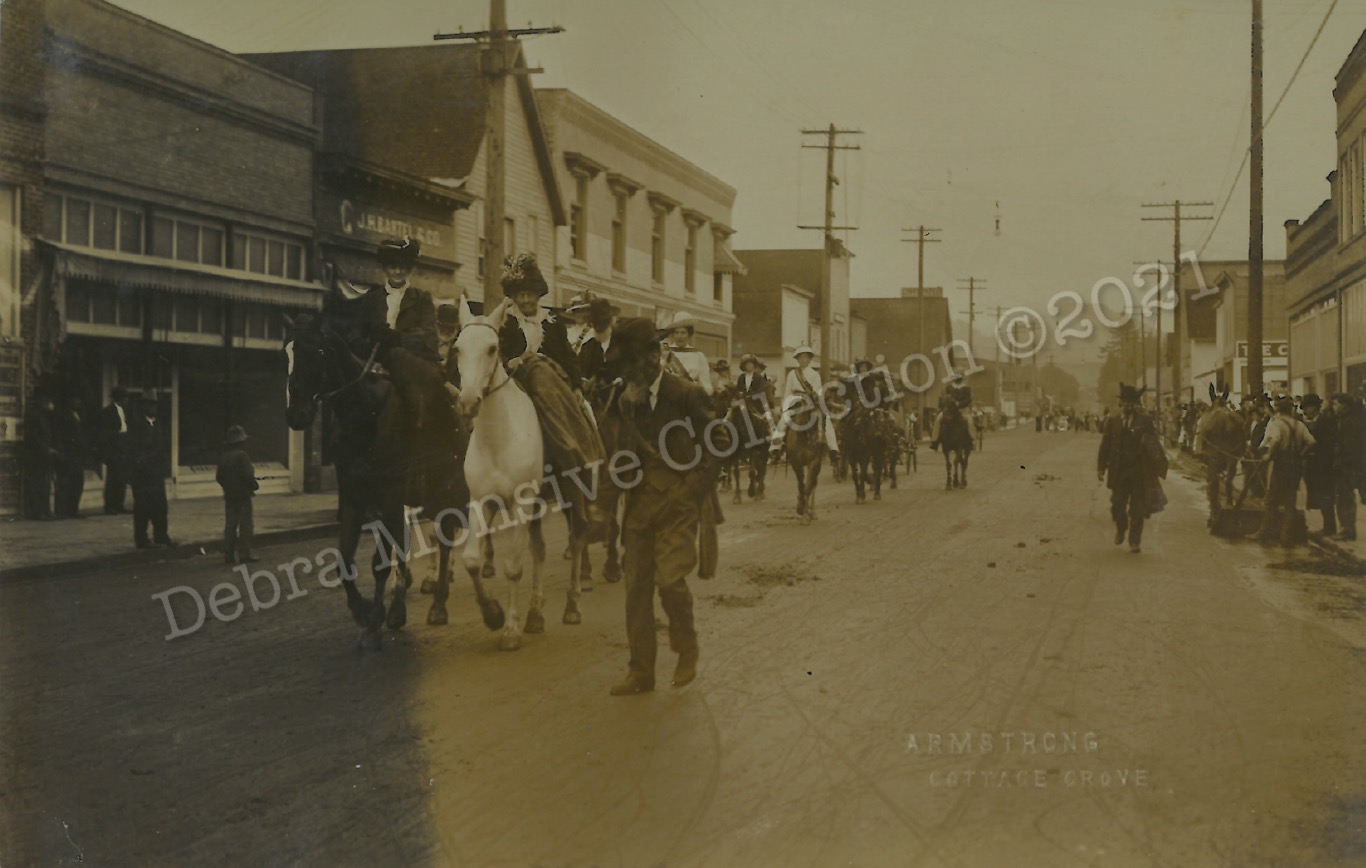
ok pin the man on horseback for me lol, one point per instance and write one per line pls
(803, 382)
(535, 347)
(960, 393)
(664, 416)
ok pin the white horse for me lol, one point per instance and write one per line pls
(503, 467)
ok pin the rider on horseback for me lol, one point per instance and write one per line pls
(804, 382)
(535, 347)
(961, 395)
(681, 358)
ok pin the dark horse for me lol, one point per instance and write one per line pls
(955, 438)
(602, 400)
(749, 415)
(891, 440)
(863, 450)
(370, 445)
(806, 450)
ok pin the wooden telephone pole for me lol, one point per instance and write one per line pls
(973, 285)
(1178, 316)
(500, 55)
(1255, 384)
(828, 228)
(921, 238)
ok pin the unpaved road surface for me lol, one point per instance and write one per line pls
(958, 678)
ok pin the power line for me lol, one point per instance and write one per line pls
(1248, 153)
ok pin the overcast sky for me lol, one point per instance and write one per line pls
(1068, 113)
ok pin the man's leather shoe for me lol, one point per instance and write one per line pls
(634, 684)
(686, 670)
(1119, 537)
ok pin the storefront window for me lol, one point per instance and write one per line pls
(130, 308)
(217, 391)
(211, 316)
(212, 246)
(77, 303)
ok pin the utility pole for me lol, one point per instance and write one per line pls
(1254, 237)
(972, 287)
(828, 228)
(920, 240)
(498, 62)
(1178, 316)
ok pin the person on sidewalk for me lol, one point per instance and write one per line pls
(1285, 442)
(112, 441)
(664, 417)
(1129, 464)
(237, 477)
(73, 453)
(147, 459)
(1349, 461)
(40, 457)
(1318, 468)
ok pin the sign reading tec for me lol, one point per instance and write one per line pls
(1270, 349)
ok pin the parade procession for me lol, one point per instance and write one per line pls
(681, 433)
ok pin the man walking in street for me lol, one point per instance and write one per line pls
(113, 445)
(1285, 442)
(665, 417)
(1126, 465)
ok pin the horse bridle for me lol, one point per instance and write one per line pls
(489, 390)
(365, 369)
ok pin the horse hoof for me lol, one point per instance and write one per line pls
(572, 616)
(585, 582)
(360, 612)
(806, 519)
(437, 617)
(877, 495)
(372, 641)
(535, 622)
(568, 554)
(510, 642)
(488, 572)
(858, 499)
(737, 498)
(611, 573)
(493, 615)
(428, 587)
(397, 617)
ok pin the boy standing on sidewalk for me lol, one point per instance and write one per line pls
(238, 479)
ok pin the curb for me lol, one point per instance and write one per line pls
(181, 552)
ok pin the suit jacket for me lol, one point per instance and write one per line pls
(554, 345)
(147, 456)
(593, 361)
(1121, 455)
(236, 474)
(662, 463)
(415, 329)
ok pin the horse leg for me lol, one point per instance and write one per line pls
(877, 475)
(813, 474)
(486, 546)
(611, 571)
(569, 526)
(535, 617)
(348, 542)
(761, 465)
(577, 577)
(492, 611)
(854, 462)
(800, 473)
(948, 470)
(513, 564)
(966, 456)
(398, 607)
(382, 564)
(436, 615)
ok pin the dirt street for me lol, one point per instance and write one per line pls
(963, 678)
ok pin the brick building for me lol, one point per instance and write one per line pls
(647, 229)
(167, 226)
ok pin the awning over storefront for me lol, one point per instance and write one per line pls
(726, 263)
(105, 266)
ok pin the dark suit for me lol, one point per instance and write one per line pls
(662, 512)
(40, 461)
(73, 452)
(238, 480)
(113, 445)
(147, 475)
(593, 361)
(1121, 460)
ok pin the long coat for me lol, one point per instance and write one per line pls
(662, 464)
(1131, 457)
(554, 345)
(414, 330)
(147, 455)
(1318, 468)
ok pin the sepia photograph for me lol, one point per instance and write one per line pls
(488, 433)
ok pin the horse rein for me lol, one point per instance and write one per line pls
(487, 389)
(365, 369)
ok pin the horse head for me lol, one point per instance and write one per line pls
(304, 353)
(476, 352)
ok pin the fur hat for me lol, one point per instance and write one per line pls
(399, 254)
(520, 273)
(1130, 395)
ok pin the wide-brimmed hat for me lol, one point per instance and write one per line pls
(681, 320)
(803, 349)
(750, 359)
(400, 254)
(521, 273)
(236, 434)
(633, 335)
(863, 360)
(722, 365)
(1129, 394)
(580, 303)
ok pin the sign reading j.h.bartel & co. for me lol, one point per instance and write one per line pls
(373, 223)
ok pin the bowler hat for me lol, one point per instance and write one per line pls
(400, 254)
(580, 303)
(634, 335)
(236, 434)
(521, 273)
(1130, 395)
(1311, 400)
(448, 315)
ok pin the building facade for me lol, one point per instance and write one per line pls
(1325, 265)
(778, 307)
(646, 228)
(165, 231)
(915, 325)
